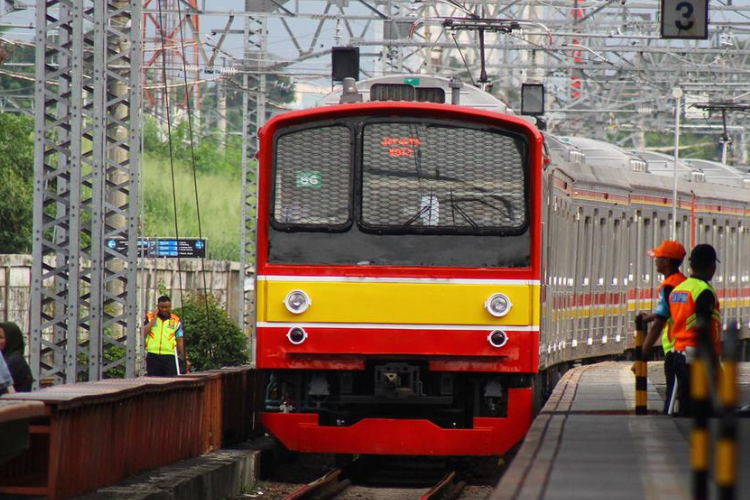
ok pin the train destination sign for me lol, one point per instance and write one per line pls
(165, 248)
(400, 146)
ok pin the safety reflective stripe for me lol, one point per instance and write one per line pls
(667, 335)
(683, 313)
(162, 339)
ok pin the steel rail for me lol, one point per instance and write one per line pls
(328, 486)
(335, 482)
(448, 488)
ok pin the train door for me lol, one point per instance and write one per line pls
(618, 271)
(745, 277)
(571, 242)
(585, 280)
(595, 257)
(734, 258)
(646, 267)
(634, 267)
(604, 280)
(578, 275)
(720, 278)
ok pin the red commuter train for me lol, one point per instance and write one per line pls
(424, 267)
(398, 273)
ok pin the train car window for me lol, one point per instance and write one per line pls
(602, 255)
(663, 232)
(732, 255)
(721, 253)
(616, 254)
(422, 177)
(648, 240)
(586, 259)
(313, 178)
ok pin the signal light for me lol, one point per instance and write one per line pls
(296, 335)
(497, 338)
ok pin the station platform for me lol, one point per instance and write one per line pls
(587, 443)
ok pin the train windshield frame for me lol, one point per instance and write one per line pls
(336, 234)
(400, 182)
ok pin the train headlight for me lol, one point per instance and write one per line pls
(497, 338)
(296, 335)
(498, 305)
(297, 302)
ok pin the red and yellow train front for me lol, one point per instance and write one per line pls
(398, 279)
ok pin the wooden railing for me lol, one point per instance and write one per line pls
(96, 434)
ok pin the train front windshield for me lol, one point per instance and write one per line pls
(405, 193)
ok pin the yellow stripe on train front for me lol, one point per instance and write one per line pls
(409, 303)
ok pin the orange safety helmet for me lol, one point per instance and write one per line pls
(669, 249)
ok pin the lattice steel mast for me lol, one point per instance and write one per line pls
(83, 310)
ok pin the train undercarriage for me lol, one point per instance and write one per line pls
(391, 402)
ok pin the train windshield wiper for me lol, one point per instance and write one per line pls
(455, 207)
(419, 214)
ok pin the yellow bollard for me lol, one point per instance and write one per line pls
(726, 449)
(641, 370)
(699, 439)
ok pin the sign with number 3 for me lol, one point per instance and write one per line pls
(687, 19)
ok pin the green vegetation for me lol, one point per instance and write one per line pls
(692, 145)
(220, 196)
(17, 186)
(212, 339)
(17, 82)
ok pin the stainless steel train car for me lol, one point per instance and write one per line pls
(604, 208)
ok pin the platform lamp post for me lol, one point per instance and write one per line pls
(677, 94)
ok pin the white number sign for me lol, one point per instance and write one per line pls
(686, 19)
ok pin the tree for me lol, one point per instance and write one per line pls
(17, 186)
(211, 337)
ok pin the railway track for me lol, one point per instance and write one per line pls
(336, 484)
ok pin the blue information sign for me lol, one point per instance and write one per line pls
(167, 248)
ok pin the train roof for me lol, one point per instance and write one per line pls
(695, 169)
(427, 88)
(719, 173)
(606, 155)
(561, 151)
(663, 164)
(587, 160)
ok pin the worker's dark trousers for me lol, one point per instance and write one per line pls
(161, 365)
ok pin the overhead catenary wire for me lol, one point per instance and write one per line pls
(191, 137)
(169, 142)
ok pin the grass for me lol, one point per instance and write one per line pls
(220, 197)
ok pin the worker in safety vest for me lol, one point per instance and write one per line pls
(695, 311)
(668, 259)
(164, 340)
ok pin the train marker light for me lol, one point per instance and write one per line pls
(297, 302)
(497, 338)
(498, 305)
(296, 335)
(532, 99)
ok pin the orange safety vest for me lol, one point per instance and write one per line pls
(667, 335)
(163, 336)
(682, 310)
